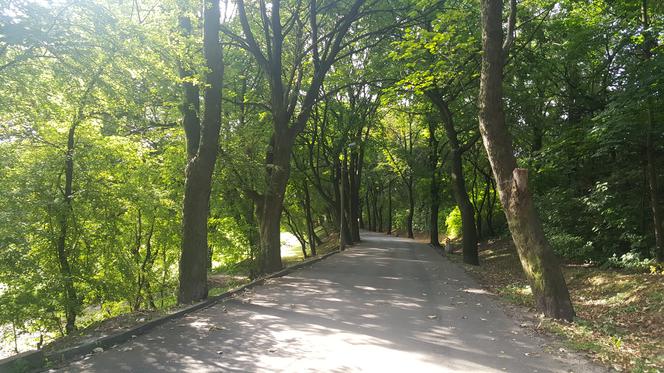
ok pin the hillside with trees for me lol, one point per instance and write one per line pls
(150, 147)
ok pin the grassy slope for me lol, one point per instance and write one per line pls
(620, 315)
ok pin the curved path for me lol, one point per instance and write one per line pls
(385, 305)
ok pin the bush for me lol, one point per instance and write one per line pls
(453, 223)
(631, 261)
(571, 247)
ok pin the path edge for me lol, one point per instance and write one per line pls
(38, 360)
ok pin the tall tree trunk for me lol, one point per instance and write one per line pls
(434, 189)
(278, 172)
(284, 100)
(310, 221)
(71, 301)
(380, 211)
(389, 207)
(490, 206)
(537, 258)
(468, 230)
(411, 207)
(347, 202)
(652, 187)
(360, 209)
(370, 220)
(374, 202)
(651, 170)
(354, 175)
(198, 179)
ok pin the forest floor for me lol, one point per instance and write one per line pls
(620, 315)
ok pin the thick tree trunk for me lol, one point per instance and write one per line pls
(278, 172)
(537, 258)
(71, 301)
(198, 181)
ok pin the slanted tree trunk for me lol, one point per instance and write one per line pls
(198, 173)
(537, 258)
(651, 170)
(459, 190)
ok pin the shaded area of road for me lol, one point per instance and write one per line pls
(386, 305)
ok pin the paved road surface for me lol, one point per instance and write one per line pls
(386, 305)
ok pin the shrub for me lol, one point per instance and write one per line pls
(453, 223)
(631, 261)
(571, 247)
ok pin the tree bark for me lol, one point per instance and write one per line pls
(370, 221)
(652, 188)
(310, 221)
(389, 207)
(459, 190)
(284, 101)
(651, 170)
(347, 202)
(198, 180)
(374, 198)
(434, 190)
(71, 301)
(270, 208)
(411, 207)
(537, 258)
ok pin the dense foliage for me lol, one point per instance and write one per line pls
(381, 106)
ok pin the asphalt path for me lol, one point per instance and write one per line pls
(385, 305)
